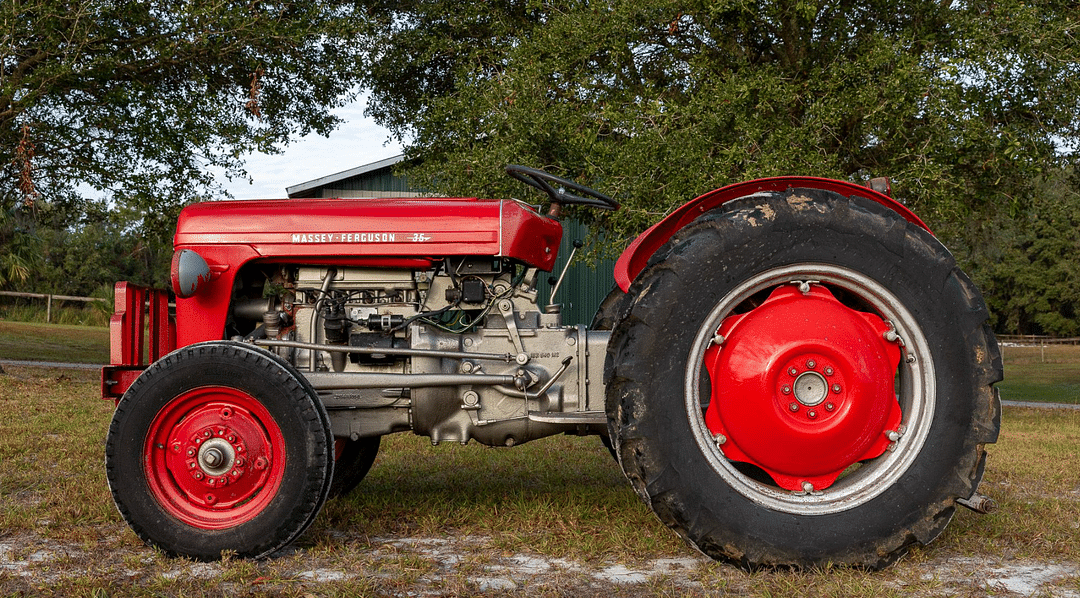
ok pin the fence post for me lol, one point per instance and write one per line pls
(48, 310)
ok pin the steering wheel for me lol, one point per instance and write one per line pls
(565, 192)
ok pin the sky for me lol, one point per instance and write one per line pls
(356, 142)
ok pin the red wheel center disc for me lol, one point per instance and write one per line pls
(803, 387)
(210, 457)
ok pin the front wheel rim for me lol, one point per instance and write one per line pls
(915, 395)
(214, 457)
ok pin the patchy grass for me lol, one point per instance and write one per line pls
(552, 517)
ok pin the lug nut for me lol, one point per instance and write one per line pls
(793, 407)
(836, 388)
(828, 371)
(785, 389)
(811, 414)
(829, 407)
(811, 364)
(793, 372)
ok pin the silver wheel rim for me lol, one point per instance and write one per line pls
(916, 394)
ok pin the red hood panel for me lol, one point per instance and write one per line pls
(412, 227)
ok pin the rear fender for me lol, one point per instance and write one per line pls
(637, 254)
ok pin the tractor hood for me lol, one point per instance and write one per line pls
(332, 230)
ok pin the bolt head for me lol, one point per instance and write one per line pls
(828, 371)
(811, 364)
(829, 407)
(836, 388)
(793, 407)
(785, 389)
(793, 372)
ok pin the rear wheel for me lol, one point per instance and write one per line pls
(803, 379)
(353, 460)
(219, 447)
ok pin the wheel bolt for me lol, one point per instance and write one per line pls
(811, 414)
(793, 407)
(828, 371)
(836, 388)
(811, 364)
(793, 372)
(191, 452)
(785, 389)
(829, 406)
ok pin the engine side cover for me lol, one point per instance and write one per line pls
(324, 230)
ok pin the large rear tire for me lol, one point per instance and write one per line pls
(219, 447)
(803, 379)
(352, 463)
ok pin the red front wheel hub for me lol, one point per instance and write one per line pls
(803, 387)
(214, 458)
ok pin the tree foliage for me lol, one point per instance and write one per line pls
(1028, 262)
(970, 107)
(963, 104)
(134, 102)
(134, 97)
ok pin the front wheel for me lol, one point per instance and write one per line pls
(803, 379)
(219, 447)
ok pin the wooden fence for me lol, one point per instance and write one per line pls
(1037, 340)
(50, 299)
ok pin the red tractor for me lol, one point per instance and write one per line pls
(789, 370)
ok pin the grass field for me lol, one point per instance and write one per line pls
(30, 341)
(1049, 373)
(560, 501)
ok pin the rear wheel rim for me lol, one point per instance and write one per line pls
(214, 457)
(915, 389)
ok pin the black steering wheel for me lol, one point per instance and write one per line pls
(564, 192)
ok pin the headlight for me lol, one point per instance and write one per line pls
(189, 270)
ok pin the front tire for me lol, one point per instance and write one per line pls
(803, 379)
(219, 447)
